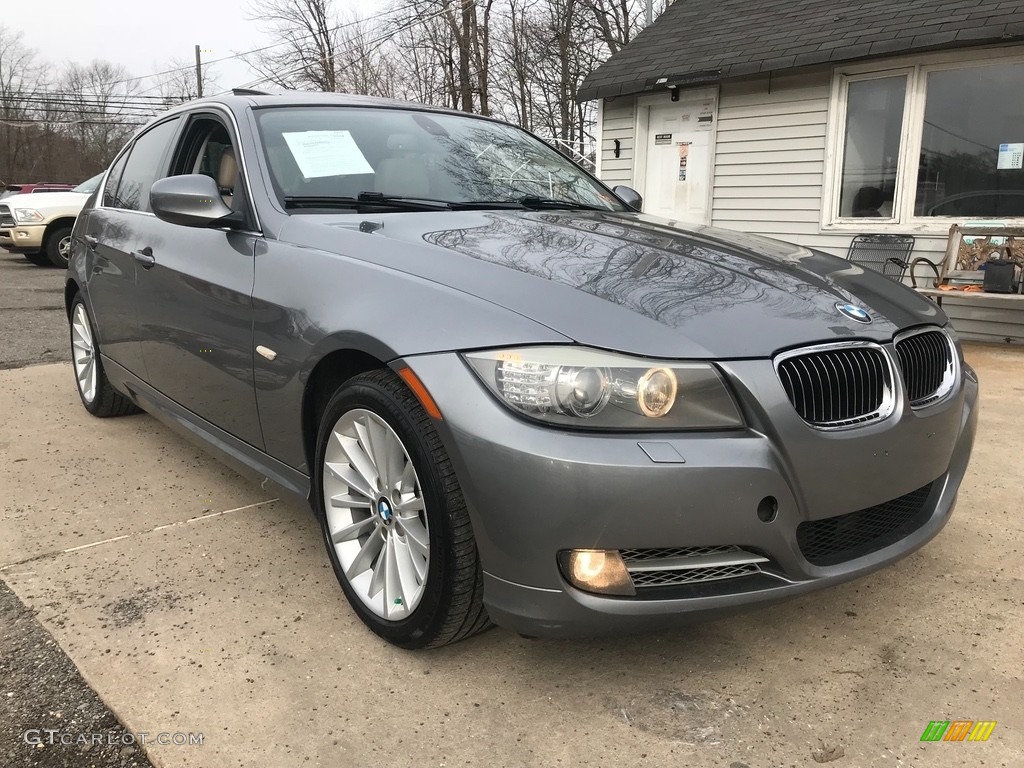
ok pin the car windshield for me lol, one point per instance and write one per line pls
(318, 154)
(89, 185)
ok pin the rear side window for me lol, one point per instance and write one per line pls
(146, 163)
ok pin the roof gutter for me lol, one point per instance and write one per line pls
(666, 82)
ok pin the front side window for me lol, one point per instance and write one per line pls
(973, 121)
(343, 152)
(144, 166)
(874, 128)
(206, 149)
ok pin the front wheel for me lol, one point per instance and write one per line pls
(393, 516)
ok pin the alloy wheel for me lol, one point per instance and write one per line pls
(376, 516)
(83, 352)
(64, 249)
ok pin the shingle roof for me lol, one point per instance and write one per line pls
(707, 40)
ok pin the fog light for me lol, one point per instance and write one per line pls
(597, 570)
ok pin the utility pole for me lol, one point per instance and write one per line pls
(199, 72)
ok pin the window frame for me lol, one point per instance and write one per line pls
(917, 70)
(182, 147)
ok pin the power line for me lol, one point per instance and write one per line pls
(242, 54)
(81, 94)
(74, 102)
(33, 122)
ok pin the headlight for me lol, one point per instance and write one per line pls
(27, 214)
(586, 388)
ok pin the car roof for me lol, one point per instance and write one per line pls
(240, 99)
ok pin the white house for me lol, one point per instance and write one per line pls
(817, 120)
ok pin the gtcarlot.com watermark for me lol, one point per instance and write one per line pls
(51, 737)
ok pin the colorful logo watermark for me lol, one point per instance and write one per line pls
(958, 730)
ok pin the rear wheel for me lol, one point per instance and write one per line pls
(58, 246)
(98, 396)
(393, 516)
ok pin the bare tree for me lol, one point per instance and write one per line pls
(614, 21)
(523, 60)
(364, 63)
(20, 83)
(179, 84)
(308, 30)
(98, 99)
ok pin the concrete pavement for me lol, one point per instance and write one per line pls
(191, 601)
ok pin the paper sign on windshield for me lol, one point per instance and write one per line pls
(326, 153)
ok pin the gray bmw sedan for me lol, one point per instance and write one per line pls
(507, 394)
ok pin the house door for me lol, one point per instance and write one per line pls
(680, 136)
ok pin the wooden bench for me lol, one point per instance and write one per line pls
(1003, 300)
(976, 315)
(992, 318)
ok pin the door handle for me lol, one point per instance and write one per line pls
(91, 241)
(145, 257)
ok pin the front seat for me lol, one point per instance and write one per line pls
(227, 175)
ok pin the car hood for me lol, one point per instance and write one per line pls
(46, 201)
(632, 283)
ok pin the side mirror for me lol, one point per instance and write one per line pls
(630, 197)
(192, 201)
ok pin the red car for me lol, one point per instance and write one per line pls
(44, 186)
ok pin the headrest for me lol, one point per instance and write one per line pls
(227, 174)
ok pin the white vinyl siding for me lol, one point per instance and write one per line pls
(618, 123)
(770, 156)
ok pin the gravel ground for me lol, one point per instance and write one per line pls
(33, 326)
(44, 699)
(40, 687)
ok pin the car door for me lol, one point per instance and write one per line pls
(109, 232)
(194, 293)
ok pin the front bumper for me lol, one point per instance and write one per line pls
(22, 238)
(533, 491)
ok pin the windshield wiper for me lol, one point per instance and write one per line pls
(413, 203)
(366, 200)
(530, 201)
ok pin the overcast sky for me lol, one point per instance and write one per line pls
(144, 34)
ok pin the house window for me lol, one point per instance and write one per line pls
(874, 128)
(969, 114)
(930, 143)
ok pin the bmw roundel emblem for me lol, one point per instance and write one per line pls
(853, 312)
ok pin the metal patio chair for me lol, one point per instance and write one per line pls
(888, 254)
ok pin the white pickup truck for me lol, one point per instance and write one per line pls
(39, 225)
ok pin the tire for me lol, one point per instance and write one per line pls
(412, 521)
(39, 258)
(58, 247)
(98, 396)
